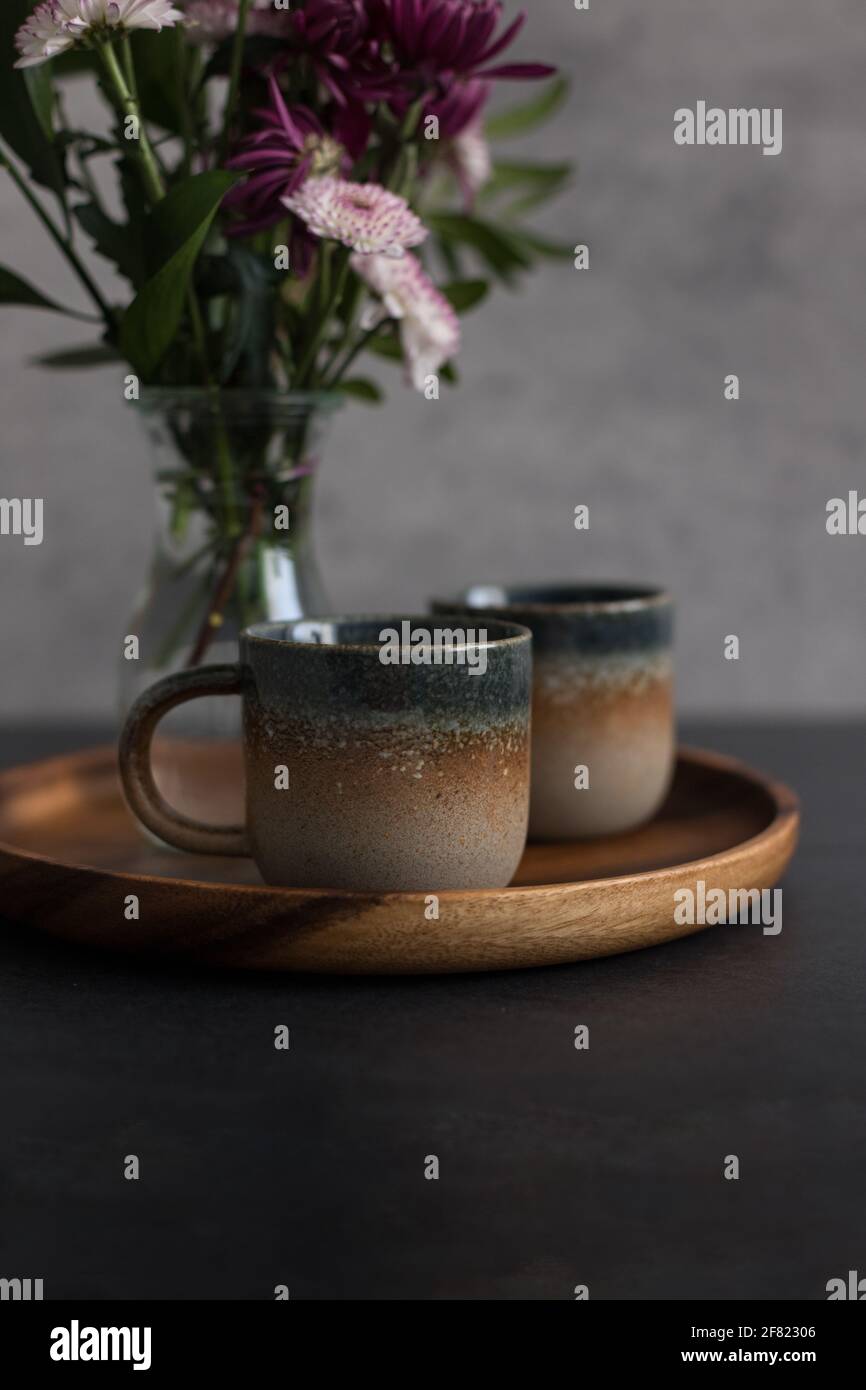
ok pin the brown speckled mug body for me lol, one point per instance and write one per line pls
(363, 775)
(602, 701)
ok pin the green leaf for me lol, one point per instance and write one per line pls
(24, 104)
(14, 290)
(543, 246)
(41, 89)
(386, 346)
(448, 253)
(112, 240)
(160, 78)
(361, 389)
(511, 173)
(253, 282)
(465, 294)
(86, 144)
(497, 246)
(135, 204)
(521, 119)
(528, 184)
(89, 355)
(183, 210)
(177, 227)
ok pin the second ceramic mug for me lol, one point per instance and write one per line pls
(410, 773)
(603, 742)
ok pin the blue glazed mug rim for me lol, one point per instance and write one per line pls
(559, 597)
(500, 633)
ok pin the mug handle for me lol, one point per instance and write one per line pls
(136, 773)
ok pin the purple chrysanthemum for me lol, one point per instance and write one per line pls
(336, 38)
(459, 105)
(363, 216)
(436, 37)
(289, 145)
(460, 134)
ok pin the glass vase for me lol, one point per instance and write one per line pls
(235, 473)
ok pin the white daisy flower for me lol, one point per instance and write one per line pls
(59, 24)
(429, 326)
(361, 215)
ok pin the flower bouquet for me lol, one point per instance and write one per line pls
(283, 188)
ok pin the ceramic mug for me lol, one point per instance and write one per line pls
(381, 754)
(603, 743)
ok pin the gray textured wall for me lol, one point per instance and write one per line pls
(602, 387)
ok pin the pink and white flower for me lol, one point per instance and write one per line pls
(59, 24)
(471, 160)
(429, 326)
(211, 21)
(365, 216)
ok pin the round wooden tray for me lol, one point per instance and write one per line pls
(70, 854)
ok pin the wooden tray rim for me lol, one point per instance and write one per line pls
(785, 823)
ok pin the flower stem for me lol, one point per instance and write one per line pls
(127, 100)
(395, 177)
(56, 236)
(336, 373)
(324, 313)
(213, 619)
(184, 76)
(128, 106)
(225, 467)
(129, 66)
(198, 333)
(234, 79)
(410, 121)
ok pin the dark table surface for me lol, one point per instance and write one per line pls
(557, 1167)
